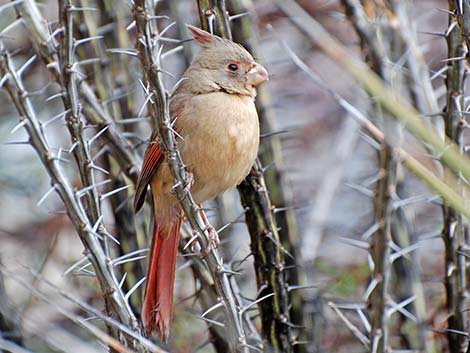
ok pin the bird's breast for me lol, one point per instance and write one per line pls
(220, 141)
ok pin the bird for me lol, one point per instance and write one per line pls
(213, 111)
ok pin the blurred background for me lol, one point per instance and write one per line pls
(323, 172)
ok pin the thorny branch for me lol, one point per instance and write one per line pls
(148, 48)
(266, 246)
(453, 233)
(116, 303)
(92, 109)
(388, 98)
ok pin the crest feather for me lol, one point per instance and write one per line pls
(202, 37)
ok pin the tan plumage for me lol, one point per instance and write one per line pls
(216, 116)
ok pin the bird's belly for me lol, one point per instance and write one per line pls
(220, 150)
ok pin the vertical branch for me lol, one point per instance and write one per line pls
(116, 303)
(280, 193)
(380, 252)
(93, 110)
(453, 231)
(265, 241)
(269, 262)
(71, 76)
(387, 164)
(148, 48)
(211, 11)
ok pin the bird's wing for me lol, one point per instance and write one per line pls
(152, 160)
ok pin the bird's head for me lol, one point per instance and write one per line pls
(226, 65)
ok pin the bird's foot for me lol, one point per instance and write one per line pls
(213, 243)
(189, 181)
(214, 240)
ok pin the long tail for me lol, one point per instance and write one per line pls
(157, 311)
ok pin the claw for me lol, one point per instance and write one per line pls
(214, 240)
(189, 182)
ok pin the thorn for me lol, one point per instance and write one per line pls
(433, 33)
(97, 223)
(243, 310)
(370, 231)
(142, 41)
(249, 346)
(130, 26)
(112, 237)
(4, 79)
(403, 252)
(439, 73)
(18, 126)
(11, 4)
(190, 241)
(457, 58)
(54, 96)
(130, 51)
(71, 149)
(236, 17)
(54, 34)
(26, 65)
(123, 279)
(213, 322)
(400, 307)
(356, 243)
(152, 18)
(364, 320)
(166, 72)
(360, 336)
(450, 28)
(88, 61)
(10, 27)
(360, 189)
(55, 118)
(134, 288)
(297, 287)
(171, 52)
(17, 143)
(370, 288)
(130, 259)
(369, 140)
(129, 255)
(147, 99)
(115, 191)
(132, 120)
(214, 307)
(166, 29)
(230, 272)
(269, 134)
(98, 168)
(98, 134)
(83, 191)
(74, 266)
(82, 9)
(100, 153)
(48, 192)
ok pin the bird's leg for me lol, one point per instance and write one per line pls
(214, 240)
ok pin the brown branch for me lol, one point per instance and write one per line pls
(453, 229)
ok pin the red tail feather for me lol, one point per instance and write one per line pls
(157, 312)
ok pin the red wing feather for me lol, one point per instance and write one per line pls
(152, 159)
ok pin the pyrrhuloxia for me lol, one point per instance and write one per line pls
(216, 116)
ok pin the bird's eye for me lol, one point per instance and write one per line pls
(232, 67)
